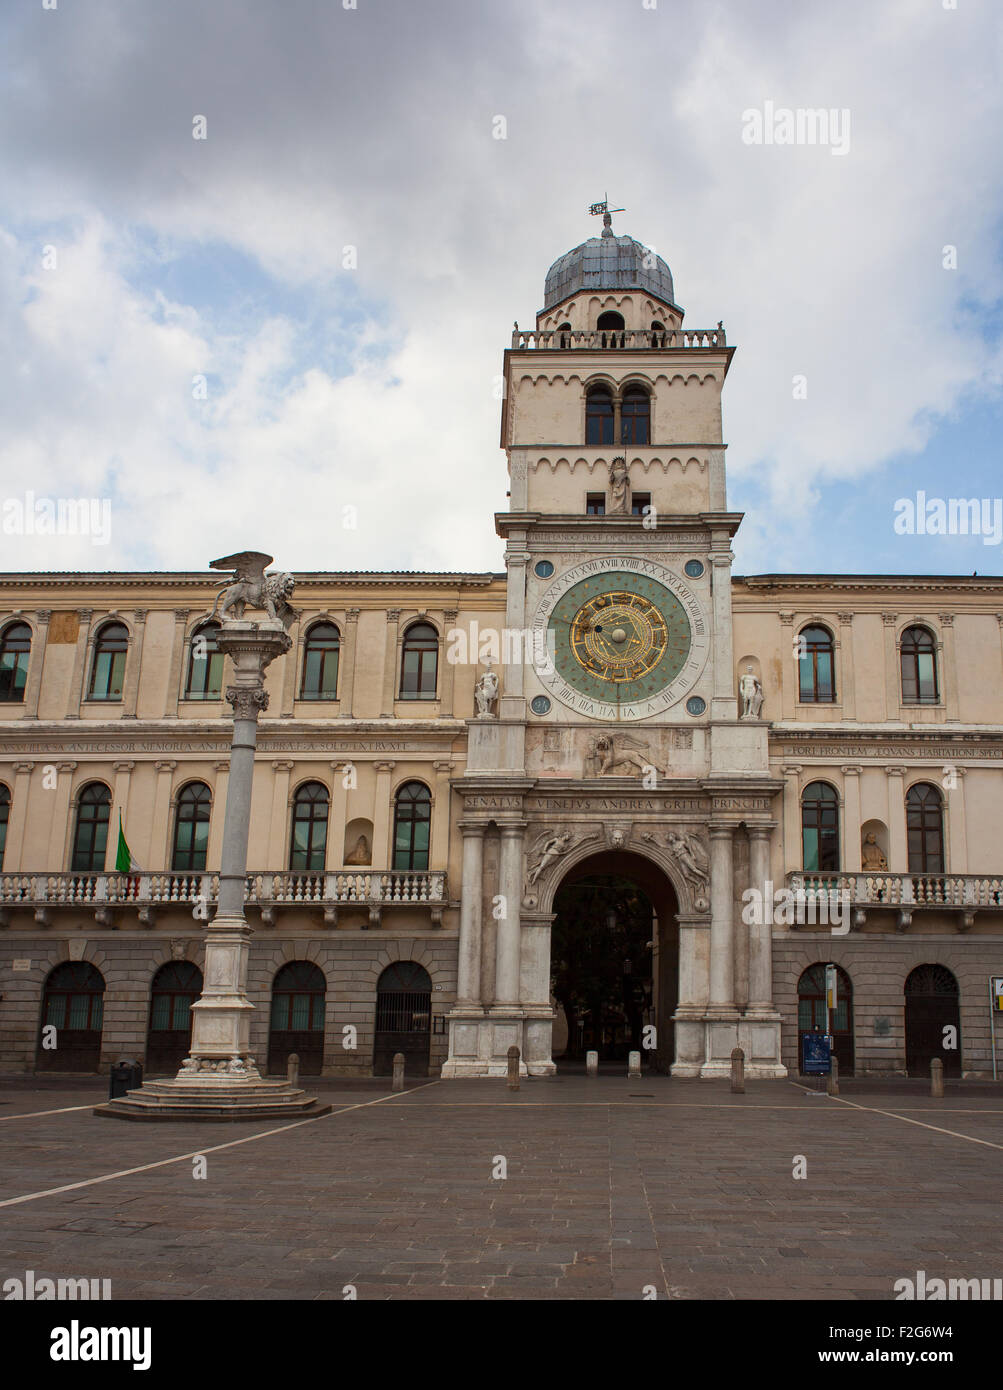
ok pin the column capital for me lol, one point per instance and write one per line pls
(845, 618)
(786, 616)
(247, 703)
(23, 769)
(851, 770)
(283, 765)
(140, 615)
(791, 769)
(889, 619)
(474, 828)
(181, 616)
(221, 765)
(352, 614)
(393, 615)
(123, 766)
(722, 830)
(896, 771)
(166, 765)
(384, 767)
(947, 619)
(761, 831)
(511, 828)
(443, 768)
(43, 615)
(66, 767)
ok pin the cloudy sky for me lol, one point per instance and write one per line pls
(341, 258)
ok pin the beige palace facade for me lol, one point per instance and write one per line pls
(785, 771)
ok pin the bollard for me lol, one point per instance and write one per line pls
(513, 1068)
(398, 1083)
(633, 1064)
(293, 1069)
(936, 1077)
(832, 1080)
(592, 1063)
(738, 1071)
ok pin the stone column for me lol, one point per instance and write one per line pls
(174, 670)
(508, 944)
(346, 673)
(850, 855)
(34, 686)
(761, 933)
(949, 668)
(123, 775)
(898, 845)
(61, 827)
(159, 847)
(793, 849)
(790, 671)
(221, 1017)
(79, 674)
(390, 664)
(439, 852)
(538, 1014)
(383, 818)
(13, 858)
(722, 924)
(956, 838)
(724, 704)
(694, 990)
(847, 691)
(133, 665)
(278, 829)
(893, 681)
(335, 858)
(448, 667)
(468, 981)
(290, 674)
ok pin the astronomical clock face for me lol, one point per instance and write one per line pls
(627, 637)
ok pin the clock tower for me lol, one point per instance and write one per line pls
(616, 753)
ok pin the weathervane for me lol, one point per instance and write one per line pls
(604, 210)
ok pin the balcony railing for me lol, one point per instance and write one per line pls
(568, 339)
(964, 893)
(373, 889)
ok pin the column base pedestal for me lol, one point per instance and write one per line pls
(479, 1041)
(214, 1089)
(704, 1046)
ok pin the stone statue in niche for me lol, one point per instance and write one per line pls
(871, 854)
(486, 693)
(619, 488)
(752, 694)
(361, 854)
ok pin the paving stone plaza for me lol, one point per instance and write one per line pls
(572, 1188)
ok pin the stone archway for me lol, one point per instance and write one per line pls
(619, 979)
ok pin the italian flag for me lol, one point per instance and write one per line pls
(124, 862)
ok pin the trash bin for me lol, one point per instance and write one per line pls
(126, 1075)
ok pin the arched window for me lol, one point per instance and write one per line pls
(174, 989)
(420, 662)
(820, 827)
(191, 827)
(320, 663)
(564, 330)
(90, 838)
(15, 650)
(205, 665)
(4, 818)
(73, 1005)
(412, 820)
(108, 667)
(635, 416)
(309, 835)
(599, 416)
(611, 326)
(297, 1017)
(813, 1014)
(925, 829)
(817, 667)
(403, 1018)
(932, 1020)
(919, 667)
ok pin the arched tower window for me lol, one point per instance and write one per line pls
(919, 667)
(108, 666)
(420, 662)
(191, 828)
(599, 416)
(90, 836)
(15, 651)
(635, 416)
(817, 667)
(925, 829)
(320, 662)
(820, 827)
(309, 833)
(412, 823)
(205, 665)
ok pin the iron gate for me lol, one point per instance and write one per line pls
(931, 1008)
(403, 1018)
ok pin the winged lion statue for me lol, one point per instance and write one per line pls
(248, 586)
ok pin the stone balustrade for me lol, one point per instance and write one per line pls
(373, 889)
(906, 893)
(603, 339)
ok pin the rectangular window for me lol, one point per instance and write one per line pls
(13, 676)
(595, 504)
(638, 502)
